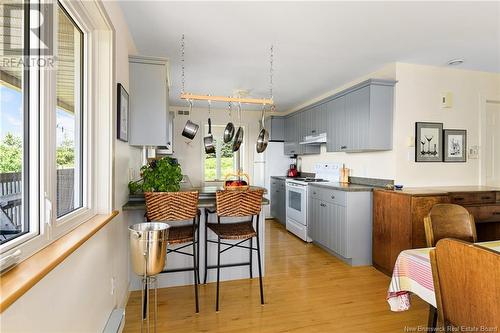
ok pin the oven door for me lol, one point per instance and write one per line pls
(296, 196)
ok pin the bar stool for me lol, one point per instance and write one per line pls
(174, 207)
(235, 203)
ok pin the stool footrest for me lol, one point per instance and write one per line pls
(229, 265)
(175, 270)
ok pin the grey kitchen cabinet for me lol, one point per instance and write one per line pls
(341, 222)
(276, 127)
(149, 115)
(361, 118)
(278, 199)
(290, 145)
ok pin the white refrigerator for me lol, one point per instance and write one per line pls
(272, 162)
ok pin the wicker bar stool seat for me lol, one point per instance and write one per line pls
(231, 204)
(175, 207)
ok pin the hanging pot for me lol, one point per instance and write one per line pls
(263, 138)
(238, 138)
(208, 141)
(190, 129)
(229, 130)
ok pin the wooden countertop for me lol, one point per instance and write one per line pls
(441, 190)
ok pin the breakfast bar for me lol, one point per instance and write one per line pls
(135, 210)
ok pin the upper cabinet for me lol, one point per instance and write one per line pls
(149, 117)
(361, 118)
(276, 127)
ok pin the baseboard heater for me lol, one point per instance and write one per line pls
(116, 321)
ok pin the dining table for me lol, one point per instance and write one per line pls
(412, 275)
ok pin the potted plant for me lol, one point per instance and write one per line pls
(163, 175)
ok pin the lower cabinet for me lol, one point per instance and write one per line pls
(278, 200)
(341, 222)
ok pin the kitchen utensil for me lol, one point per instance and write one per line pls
(190, 129)
(208, 141)
(292, 172)
(263, 138)
(229, 130)
(239, 133)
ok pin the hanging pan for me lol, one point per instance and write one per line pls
(190, 129)
(238, 138)
(208, 141)
(263, 138)
(229, 130)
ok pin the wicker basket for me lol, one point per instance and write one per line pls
(230, 177)
(171, 206)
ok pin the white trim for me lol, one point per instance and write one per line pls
(482, 130)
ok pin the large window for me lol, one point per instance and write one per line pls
(223, 161)
(47, 182)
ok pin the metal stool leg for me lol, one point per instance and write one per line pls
(251, 255)
(260, 270)
(218, 273)
(198, 248)
(206, 247)
(195, 271)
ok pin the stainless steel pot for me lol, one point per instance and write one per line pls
(263, 138)
(208, 141)
(148, 247)
(190, 129)
(238, 138)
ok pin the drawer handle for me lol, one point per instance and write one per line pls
(496, 213)
(343, 147)
(485, 198)
(333, 197)
(314, 192)
(459, 198)
(322, 205)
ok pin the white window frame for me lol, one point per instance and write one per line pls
(99, 104)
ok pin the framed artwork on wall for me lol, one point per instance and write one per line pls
(428, 142)
(455, 145)
(122, 114)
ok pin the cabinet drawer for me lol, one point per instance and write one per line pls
(488, 213)
(498, 196)
(472, 198)
(327, 195)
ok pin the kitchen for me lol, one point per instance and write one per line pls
(338, 194)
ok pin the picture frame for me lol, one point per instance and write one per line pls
(428, 142)
(455, 145)
(122, 117)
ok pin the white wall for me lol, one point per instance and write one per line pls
(417, 98)
(76, 295)
(190, 153)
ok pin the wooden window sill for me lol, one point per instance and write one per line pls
(17, 281)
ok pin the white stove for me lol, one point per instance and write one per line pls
(296, 198)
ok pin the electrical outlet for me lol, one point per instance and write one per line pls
(474, 152)
(113, 285)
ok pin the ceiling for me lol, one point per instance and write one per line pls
(318, 45)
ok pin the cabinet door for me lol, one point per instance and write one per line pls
(282, 205)
(276, 127)
(289, 147)
(336, 124)
(274, 199)
(357, 112)
(298, 127)
(319, 120)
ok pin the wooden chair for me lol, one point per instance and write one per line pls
(449, 221)
(230, 204)
(173, 207)
(467, 285)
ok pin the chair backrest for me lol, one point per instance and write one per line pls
(233, 203)
(171, 206)
(467, 284)
(449, 221)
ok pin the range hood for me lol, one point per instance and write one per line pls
(314, 139)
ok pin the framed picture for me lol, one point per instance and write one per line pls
(428, 142)
(122, 117)
(455, 145)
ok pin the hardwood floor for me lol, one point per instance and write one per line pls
(305, 288)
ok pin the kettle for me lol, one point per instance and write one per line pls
(292, 172)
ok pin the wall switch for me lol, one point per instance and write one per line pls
(113, 285)
(410, 141)
(446, 100)
(474, 152)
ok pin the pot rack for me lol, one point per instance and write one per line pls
(241, 100)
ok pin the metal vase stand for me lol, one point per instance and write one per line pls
(148, 248)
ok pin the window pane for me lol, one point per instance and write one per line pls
(218, 165)
(69, 115)
(13, 121)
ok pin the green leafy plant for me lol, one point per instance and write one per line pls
(135, 186)
(163, 175)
